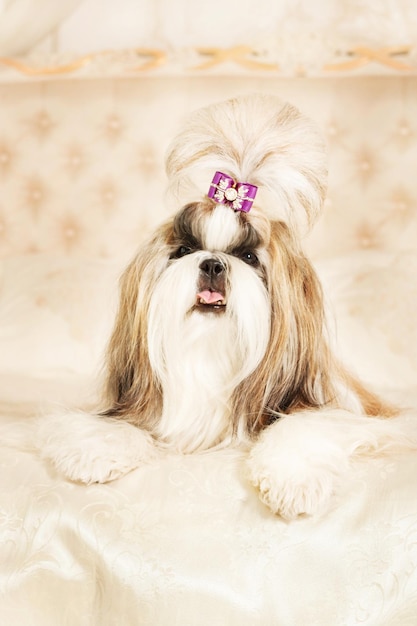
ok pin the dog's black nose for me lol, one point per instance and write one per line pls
(211, 268)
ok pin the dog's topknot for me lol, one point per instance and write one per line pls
(258, 139)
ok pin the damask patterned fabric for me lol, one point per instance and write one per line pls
(185, 541)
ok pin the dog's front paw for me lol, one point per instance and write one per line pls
(89, 449)
(289, 493)
(296, 472)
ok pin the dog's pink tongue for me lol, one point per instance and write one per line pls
(208, 297)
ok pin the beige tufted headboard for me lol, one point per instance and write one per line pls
(82, 161)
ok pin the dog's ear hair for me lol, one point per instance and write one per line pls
(294, 373)
(131, 391)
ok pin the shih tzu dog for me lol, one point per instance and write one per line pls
(220, 338)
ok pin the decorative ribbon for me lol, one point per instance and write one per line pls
(363, 55)
(156, 58)
(238, 196)
(121, 61)
(242, 55)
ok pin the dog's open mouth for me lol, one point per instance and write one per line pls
(208, 300)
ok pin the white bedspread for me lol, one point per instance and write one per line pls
(186, 542)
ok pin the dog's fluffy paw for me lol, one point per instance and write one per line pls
(301, 460)
(90, 449)
(295, 469)
(287, 493)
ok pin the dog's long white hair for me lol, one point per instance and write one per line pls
(221, 329)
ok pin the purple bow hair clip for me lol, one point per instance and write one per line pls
(225, 190)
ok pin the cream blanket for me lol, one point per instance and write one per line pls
(186, 542)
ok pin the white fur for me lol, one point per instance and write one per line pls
(292, 179)
(299, 462)
(220, 229)
(200, 358)
(89, 449)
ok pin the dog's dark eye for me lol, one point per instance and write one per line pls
(250, 258)
(181, 251)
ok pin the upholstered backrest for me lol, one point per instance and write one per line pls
(82, 162)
